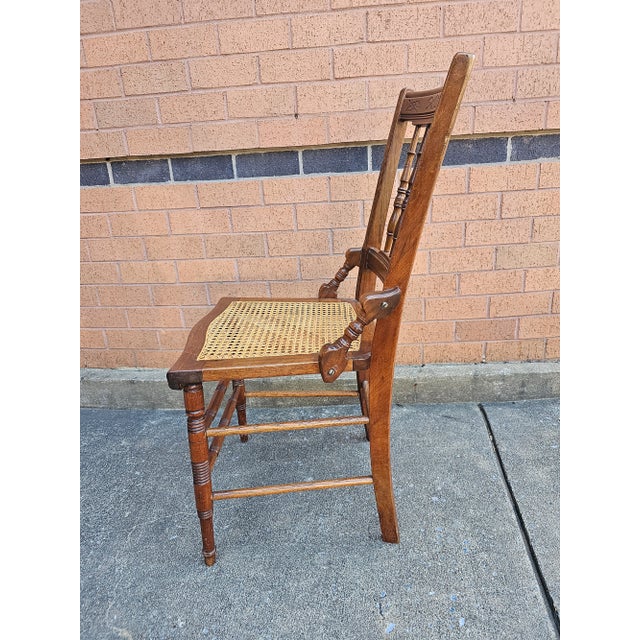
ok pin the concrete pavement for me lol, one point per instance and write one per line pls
(478, 504)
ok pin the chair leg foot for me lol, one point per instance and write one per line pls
(383, 488)
(209, 558)
(387, 516)
(392, 537)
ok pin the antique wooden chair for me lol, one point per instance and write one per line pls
(245, 338)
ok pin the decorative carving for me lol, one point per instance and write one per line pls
(420, 109)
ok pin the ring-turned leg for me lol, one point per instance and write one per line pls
(241, 405)
(380, 449)
(199, 451)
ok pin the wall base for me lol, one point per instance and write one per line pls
(433, 383)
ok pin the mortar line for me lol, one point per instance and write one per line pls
(533, 558)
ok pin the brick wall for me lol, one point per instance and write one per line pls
(220, 137)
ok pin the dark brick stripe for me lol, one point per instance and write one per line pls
(535, 147)
(335, 160)
(94, 174)
(202, 168)
(476, 151)
(461, 151)
(268, 164)
(129, 171)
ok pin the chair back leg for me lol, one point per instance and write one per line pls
(363, 395)
(241, 406)
(380, 391)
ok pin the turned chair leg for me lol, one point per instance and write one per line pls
(199, 451)
(241, 405)
(380, 449)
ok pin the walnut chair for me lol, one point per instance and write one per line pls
(244, 338)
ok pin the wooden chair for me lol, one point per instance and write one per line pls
(245, 338)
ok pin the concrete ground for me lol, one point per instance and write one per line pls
(477, 492)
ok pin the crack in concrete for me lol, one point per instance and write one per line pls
(542, 583)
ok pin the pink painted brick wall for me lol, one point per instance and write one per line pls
(172, 76)
(484, 287)
(187, 76)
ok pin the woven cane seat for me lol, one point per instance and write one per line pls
(264, 328)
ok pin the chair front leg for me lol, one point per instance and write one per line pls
(199, 452)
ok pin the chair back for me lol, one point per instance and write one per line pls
(394, 229)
